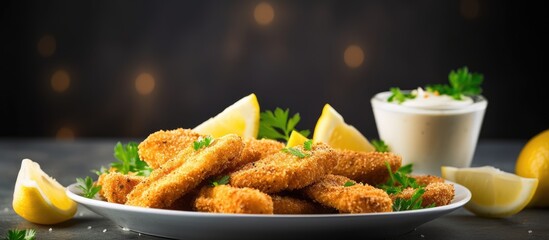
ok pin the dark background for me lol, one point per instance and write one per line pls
(205, 55)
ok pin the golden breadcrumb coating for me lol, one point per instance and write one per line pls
(161, 146)
(438, 193)
(424, 180)
(228, 199)
(284, 171)
(366, 167)
(293, 205)
(358, 198)
(185, 172)
(115, 186)
(255, 149)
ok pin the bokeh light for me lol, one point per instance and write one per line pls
(470, 9)
(264, 13)
(60, 81)
(144, 84)
(65, 133)
(46, 45)
(353, 56)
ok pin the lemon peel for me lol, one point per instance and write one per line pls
(241, 118)
(38, 198)
(332, 129)
(533, 162)
(495, 193)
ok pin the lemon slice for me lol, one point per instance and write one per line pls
(38, 198)
(332, 130)
(296, 139)
(495, 193)
(241, 118)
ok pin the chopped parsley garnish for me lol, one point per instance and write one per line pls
(89, 190)
(399, 96)
(16, 234)
(296, 152)
(349, 183)
(308, 145)
(277, 126)
(202, 143)
(223, 180)
(380, 146)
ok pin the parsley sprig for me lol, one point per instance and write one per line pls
(277, 126)
(16, 234)
(462, 82)
(380, 146)
(223, 180)
(89, 189)
(414, 202)
(399, 181)
(128, 161)
(202, 143)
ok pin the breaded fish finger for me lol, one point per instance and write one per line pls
(162, 146)
(162, 188)
(366, 167)
(255, 149)
(228, 199)
(115, 186)
(293, 205)
(436, 193)
(358, 198)
(424, 180)
(285, 171)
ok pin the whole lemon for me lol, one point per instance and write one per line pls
(533, 162)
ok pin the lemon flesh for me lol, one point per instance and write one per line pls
(495, 193)
(38, 198)
(332, 129)
(241, 118)
(296, 139)
(533, 162)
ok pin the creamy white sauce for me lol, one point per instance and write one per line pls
(430, 100)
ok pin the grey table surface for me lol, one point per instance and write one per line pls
(66, 160)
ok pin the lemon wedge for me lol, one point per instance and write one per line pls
(495, 193)
(533, 162)
(241, 118)
(296, 139)
(332, 130)
(38, 198)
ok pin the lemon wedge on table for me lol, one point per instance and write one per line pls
(241, 118)
(495, 193)
(296, 139)
(533, 162)
(38, 198)
(332, 129)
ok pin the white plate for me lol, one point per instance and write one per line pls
(199, 225)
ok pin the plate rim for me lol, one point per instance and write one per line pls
(457, 202)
